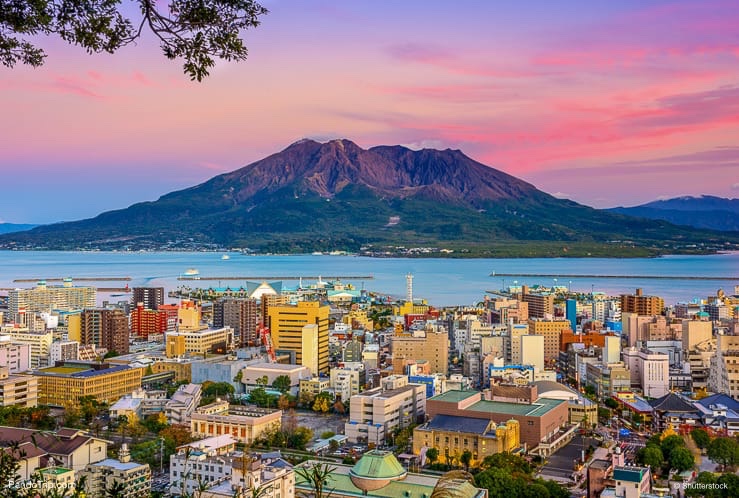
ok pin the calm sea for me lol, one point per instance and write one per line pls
(443, 282)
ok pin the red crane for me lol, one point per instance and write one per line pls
(267, 341)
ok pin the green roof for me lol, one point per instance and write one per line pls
(377, 464)
(455, 396)
(55, 471)
(629, 474)
(536, 409)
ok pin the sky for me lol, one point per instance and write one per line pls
(606, 103)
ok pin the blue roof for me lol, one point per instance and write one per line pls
(459, 424)
(93, 373)
(719, 399)
(630, 474)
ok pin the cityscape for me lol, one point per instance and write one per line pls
(268, 386)
(386, 249)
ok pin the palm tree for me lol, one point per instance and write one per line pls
(317, 475)
(448, 484)
(115, 490)
(79, 487)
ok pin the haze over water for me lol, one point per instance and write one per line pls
(443, 282)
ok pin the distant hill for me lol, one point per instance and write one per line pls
(14, 227)
(715, 213)
(337, 196)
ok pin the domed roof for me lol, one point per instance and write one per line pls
(375, 470)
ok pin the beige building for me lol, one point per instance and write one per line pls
(724, 371)
(64, 384)
(375, 413)
(39, 343)
(695, 332)
(551, 330)
(431, 344)
(640, 304)
(315, 385)
(358, 319)
(199, 341)
(18, 390)
(134, 478)
(243, 423)
(255, 375)
(452, 436)
(532, 351)
(541, 305)
(43, 298)
(346, 381)
(289, 332)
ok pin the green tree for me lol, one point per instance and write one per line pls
(116, 490)
(611, 403)
(701, 438)
(327, 434)
(282, 383)
(669, 444)
(318, 477)
(652, 456)
(196, 32)
(731, 483)
(704, 483)
(681, 459)
(432, 454)
(724, 451)
(466, 459)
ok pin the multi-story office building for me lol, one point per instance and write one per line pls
(240, 315)
(289, 332)
(649, 370)
(243, 423)
(39, 344)
(375, 413)
(105, 328)
(43, 298)
(269, 300)
(551, 330)
(134, 478)
(431, 344)
(640, 304)
(63, 384)
(199, 341)
(541, 305)
(145, 322)
(18, 390)
(150, 297)
(16, 356)
(347, 380)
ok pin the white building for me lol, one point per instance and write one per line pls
(346, 381)
(648, 370)
(183, 403)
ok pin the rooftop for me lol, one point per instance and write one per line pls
(55, 471)
(115, 464)
(64, 370)
(536, 409)
(457, 424)
(455, 396)
(630, 474)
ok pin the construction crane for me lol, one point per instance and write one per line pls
(267, 341)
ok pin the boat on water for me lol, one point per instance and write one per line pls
(191, 273)
(225, 257)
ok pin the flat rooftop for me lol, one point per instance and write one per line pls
(66, 370)
(536, 409)
(455, 396)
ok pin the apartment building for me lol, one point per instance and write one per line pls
(431, 344)
(105, 328)
(39, 344)
(375, 413)
(17, 390)
(133, 478)
(241, 316)
(149, 297)
(551, 330)
(641, 304)
(43, 298)
(16, 356)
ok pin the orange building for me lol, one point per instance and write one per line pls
(594, 339)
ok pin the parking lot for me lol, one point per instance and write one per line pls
(317, 422)
(561, 465)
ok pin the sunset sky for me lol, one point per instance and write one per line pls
(604, 102)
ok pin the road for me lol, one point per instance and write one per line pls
(561, 465)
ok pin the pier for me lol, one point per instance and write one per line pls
(643, 277)
(280, 277)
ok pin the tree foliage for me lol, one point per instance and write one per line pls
(194, 31)
(724, 451)
(681, 459)
(701, 438)
(652, 456)
(318, 477)
(282, 383)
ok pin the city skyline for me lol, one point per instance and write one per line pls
(607, 105)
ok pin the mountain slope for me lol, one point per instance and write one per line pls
(336, 195)
(715, 213)
(14, 227)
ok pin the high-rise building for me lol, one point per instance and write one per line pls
(145, 322)
(240, 315)
(551, 330)
(532, 351)
(431, 344)
(43, 298)
(640, 304)
(287, 324)
(105, 328)
(268, 300)
(541, 305)
(571, 313)
(150, 297)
